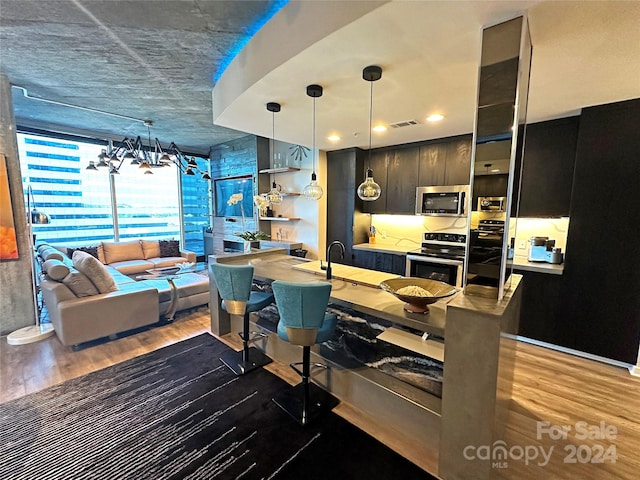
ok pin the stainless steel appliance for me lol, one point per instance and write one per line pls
(492, 204)
(542, 249)
(448, 201)
(485, 252)
(441, 257)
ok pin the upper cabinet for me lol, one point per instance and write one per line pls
(377, 161)
(400, 169)
(402, 178)
(458, 161)
(547, 169)
(445, 162)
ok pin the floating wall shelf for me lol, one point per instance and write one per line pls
(280, 219)
(280, 170)
(285, 194)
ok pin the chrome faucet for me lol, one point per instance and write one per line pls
(335, 242)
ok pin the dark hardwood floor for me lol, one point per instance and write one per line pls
(552, 387)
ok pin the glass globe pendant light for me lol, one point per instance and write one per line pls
(369, 190)
(313, 191)
(273, 196)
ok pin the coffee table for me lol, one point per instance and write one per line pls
(168, 274)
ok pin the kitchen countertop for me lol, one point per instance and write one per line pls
(361, 276)
(522, 263)
(519, 262)
(271, 265)
(381, 248)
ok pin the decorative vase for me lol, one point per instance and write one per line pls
(249, 244)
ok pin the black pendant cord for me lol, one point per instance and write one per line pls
(313, 140)
(273, 144)
(370, 124)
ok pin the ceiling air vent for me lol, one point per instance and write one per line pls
(406, 123)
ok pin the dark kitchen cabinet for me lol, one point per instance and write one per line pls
(458, 161)
(380, 261)
(488, 186)
(602, 276)
(540, 309)
(547, 168)
(402, 180)
(433, 158)
(378, 163)
(345, 220)
(445, 162)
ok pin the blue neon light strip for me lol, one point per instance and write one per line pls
(252, 29)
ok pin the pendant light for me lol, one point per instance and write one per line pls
(369, 190)
(313, 191)
(274, 196)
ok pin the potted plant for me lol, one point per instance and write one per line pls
(251, 239)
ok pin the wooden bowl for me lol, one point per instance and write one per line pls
(418, 304)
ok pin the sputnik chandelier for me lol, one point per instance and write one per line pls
(134, 152)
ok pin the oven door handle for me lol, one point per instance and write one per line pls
(445, 261)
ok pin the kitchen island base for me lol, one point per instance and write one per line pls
(477, 375)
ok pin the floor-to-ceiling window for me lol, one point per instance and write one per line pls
(148, 205)
(79, 201)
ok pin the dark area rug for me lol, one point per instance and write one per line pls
(178, 413)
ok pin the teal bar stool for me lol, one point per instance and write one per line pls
(304, 321)
(234, 285)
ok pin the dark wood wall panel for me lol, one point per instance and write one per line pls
(601, 294)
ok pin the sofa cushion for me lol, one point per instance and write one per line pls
(121, 251)
(93, 251)
(96, 271)
(47, 252)
(79, 284)
(169, 248)
(56, 269)
(131, 267)
(150, 248)
(166, 261)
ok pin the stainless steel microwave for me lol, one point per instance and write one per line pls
(444, 201)
(492, 204)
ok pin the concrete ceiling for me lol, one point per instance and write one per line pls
(157, 60)
(145, 59)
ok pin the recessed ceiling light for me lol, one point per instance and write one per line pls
(435, 117)
(379, 128)
(333, 138)
(495, 170)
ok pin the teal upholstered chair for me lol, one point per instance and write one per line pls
(234, 285)
(304, 321)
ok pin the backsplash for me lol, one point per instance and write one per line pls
(407, 230)
(554, 228)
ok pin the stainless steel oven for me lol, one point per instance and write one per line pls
(440, 258)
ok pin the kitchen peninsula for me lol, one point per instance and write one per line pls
(478, 362)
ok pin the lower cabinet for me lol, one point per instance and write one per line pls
(540, 317)
(382, 262)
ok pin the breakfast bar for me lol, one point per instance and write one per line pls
(471, 334)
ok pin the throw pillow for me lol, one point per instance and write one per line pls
(79, 283)
(97, 273)
(169, 248)
(122, 251)
(55, 269)
(47, 252)
(93, 251)
(151, 248)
